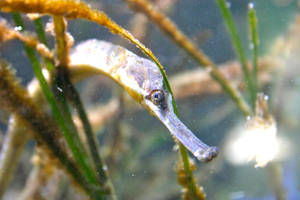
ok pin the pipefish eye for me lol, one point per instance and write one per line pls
(157, 97)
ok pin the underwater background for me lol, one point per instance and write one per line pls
(139, 152)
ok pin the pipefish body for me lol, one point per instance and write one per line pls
(143, 81)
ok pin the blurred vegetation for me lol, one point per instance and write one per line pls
(122, 152)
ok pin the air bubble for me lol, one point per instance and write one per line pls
(251, 5)
(59, 89)
(266, 97)
(104, 167)
(228, 4)
(176, 147)
(251, 46)
(18, 28)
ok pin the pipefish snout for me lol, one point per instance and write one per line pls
(142, 79)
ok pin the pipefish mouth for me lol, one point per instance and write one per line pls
(143, 81)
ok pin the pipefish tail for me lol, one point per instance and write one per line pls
(143, 81)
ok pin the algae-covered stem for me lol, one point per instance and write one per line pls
(254, 43)
(236, 41)
(144, 82)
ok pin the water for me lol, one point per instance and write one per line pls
(140, 154)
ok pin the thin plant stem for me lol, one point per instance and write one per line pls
(11, 149)
(92, 143)
(192, 185)
(238, 48)
(275, 178)
(56, 112)
(60, 89)
(42, 37)
(61, 42)
(61, 99)
(39, 28)
(72, 95)
(254, 45)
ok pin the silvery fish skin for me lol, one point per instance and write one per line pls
(144, 82)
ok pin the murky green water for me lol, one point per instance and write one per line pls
(140, 153)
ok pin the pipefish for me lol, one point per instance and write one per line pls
(143, 81)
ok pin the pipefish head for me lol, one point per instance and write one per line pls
(142, 79)
(158, 101)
